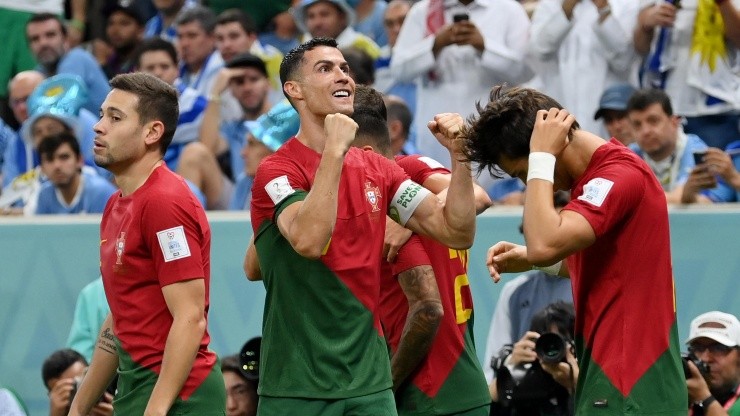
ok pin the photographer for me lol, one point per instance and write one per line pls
(62, 372)
(714, 339)
(241, 378)
(538, 374)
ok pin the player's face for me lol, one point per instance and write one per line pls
(120, 137)
(250, 90)
(62, 167)
(518, 168)
(231, 40)
(323, 19)
(159, 64)
(655, 131)
(253, 153)
(123, 30)
(241, 400)
(325, 82)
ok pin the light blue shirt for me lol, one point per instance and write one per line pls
(81, 63)
(724, 192)
(91, 198)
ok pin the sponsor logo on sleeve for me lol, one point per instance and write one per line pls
(173, 243)
(279, 188)
(596, 190)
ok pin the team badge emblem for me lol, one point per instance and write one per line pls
(120, 243)
(373, 196)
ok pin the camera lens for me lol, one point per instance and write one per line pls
(550, 347)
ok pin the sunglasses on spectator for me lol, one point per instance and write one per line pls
(715, 349)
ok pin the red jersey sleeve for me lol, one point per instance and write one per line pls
(276, 181)
(420, 168)
(411, 254)
(175, 230)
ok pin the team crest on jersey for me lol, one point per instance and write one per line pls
(120, 244)
(373, 196)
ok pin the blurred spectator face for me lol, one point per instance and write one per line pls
(75, 370)
(253, 153)
(159, 64)
(394, 16)
(655, 131)
(195, 44)
(20, 89)
(724, 363)
(241, 399)
(46, 40)
(250, 90)
(168, 7)
(46, 126)
(618, 126)
(324, 19)
(231, 40)
(62, 167)
(123, 31)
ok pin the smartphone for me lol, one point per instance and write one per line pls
(699, 157)
(460, 17)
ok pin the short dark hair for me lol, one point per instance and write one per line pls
(398, 110)
(203, 15)
(292, 60)
(504, 126)
(42, 17)
(157, 101)
(50, 144)
(58, 362)
(560, 313)
(372, 130)
(368, 98)
(153, 45)
(642, 99)
(237, 16)
(361, 65)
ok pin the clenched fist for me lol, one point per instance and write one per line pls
(340, 131)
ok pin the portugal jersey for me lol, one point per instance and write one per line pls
(322, 337)
(450, 379)
(157, 236)
(626, 335)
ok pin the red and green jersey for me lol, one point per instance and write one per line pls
(152, 238)
(449, 380)
(321, 333)
(626, 335)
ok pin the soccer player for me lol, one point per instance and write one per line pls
(318, 216)
(613, 234)
(155, 261)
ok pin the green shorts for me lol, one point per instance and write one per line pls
(376, 404)
(478, 411)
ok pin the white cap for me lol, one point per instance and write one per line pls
(719, 326)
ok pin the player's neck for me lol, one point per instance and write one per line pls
(311, 133)
(68, 192)
(577, 155)
(136, 174)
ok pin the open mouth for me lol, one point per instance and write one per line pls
(341, 94)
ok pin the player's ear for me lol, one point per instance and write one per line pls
(293, 90)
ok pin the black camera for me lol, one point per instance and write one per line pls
(249, 359)
(551, 348)
(701, 365)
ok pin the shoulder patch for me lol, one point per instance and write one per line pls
(596, 190)
(431, 162)
(279, 188)
(173, 243)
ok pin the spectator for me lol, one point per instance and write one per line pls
(68, 189)
(47, 38)
(236, 34)
(701, 85)
(455, 63)
(717, 178)
(197, 46)
(613, 109)
(91, 309)
(282, 32)
(62, 373)
(400, 120)
(266, 134)
(369, 19)
(163, 25)
(124, 31)
(385, 81)
(332, 19)
(519, 300)
(568, 36)
(241, 391)
(715, 340)
(661, 141)
(14, 156)
(527, 381)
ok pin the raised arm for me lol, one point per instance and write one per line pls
(100, 373)
(308, 224)
(252, 263)
(425, 313)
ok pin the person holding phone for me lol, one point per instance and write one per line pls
(716, 176)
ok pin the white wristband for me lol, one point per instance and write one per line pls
(541, 166)
(552, 269)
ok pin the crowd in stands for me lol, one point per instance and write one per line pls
(615, 66)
